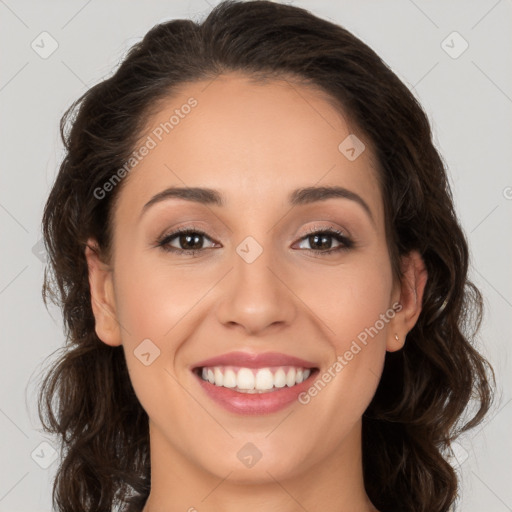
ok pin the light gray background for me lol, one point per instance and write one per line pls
(467, 98)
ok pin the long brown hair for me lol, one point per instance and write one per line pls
(425, 387)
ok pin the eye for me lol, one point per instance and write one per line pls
(189, 241)
(320, 241)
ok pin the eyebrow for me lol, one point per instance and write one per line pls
(301, 196)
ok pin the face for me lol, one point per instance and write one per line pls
(284, 285)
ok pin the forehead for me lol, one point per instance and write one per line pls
(255, 142)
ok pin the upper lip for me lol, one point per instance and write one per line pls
(252, 360)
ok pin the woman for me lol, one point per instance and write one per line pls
(263, 279)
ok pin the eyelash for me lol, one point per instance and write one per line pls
(346, 243)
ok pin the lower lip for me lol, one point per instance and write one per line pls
(255, 403)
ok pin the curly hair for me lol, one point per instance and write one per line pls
(426, 388)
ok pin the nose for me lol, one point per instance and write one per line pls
(255, 296)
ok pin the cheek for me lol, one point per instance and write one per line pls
(351, 300)
(153, 297)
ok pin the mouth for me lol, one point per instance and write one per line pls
(248, 384)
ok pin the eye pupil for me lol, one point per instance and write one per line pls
(185, 241)
(323, 238)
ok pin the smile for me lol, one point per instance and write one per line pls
(254, 384)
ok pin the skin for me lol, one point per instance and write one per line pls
(255, 143)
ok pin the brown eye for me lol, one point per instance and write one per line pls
(321, 241)
(188, 241)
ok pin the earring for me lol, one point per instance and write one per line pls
(396, 337)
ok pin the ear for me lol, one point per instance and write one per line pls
(102, 296)
(409, 295)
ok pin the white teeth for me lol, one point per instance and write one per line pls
(229, 379)
(219, 377)
(290, 377)
(252, 380)
(280, 378)
(245, 379)
(264, 379)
